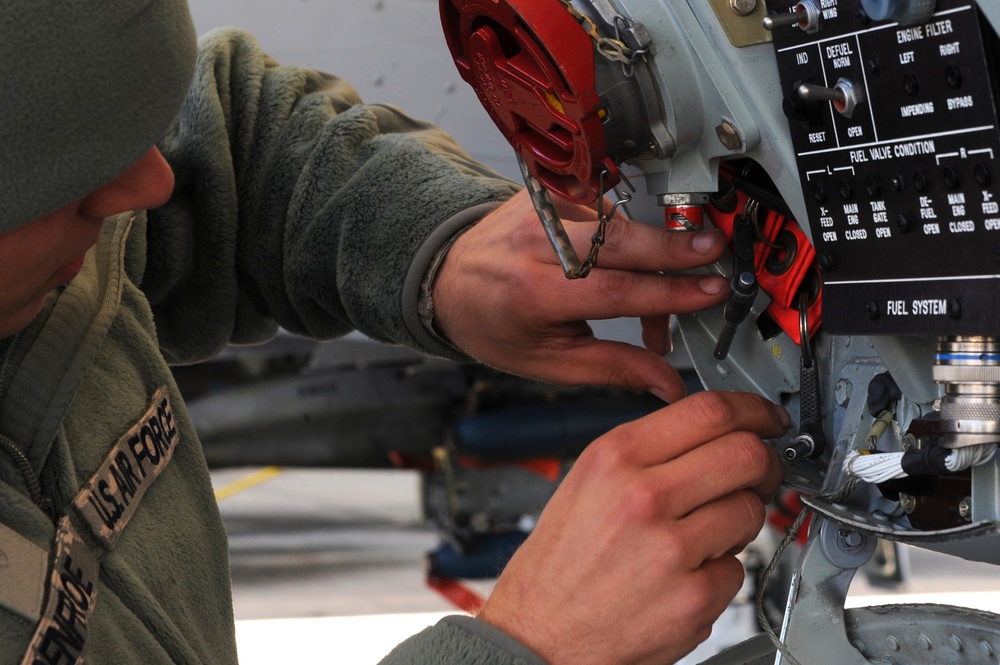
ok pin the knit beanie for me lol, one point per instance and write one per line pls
(88, 86)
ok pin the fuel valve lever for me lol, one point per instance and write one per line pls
(743, 284)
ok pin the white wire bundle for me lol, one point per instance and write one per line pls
(874, 467)
(964, 458)
(881, 467)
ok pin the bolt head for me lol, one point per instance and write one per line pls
(728, 135)
(743, 7)
(843, 392)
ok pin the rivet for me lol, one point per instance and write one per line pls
(987, 648)
(892, 643)
(926, 641)
(955, 643)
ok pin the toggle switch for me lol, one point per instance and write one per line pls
(845, 95)
(805, 15)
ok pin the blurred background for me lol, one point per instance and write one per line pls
(350, 475)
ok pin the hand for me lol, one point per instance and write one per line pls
(501, 297)
(633, 559)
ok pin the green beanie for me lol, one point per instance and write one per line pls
(88, 87)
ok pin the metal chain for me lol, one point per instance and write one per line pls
(612, 49)
(600, 237)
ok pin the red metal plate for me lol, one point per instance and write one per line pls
(532, 65)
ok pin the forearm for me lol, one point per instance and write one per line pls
(296, 205)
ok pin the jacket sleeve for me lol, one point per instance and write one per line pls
(297, 205)
(461, 640)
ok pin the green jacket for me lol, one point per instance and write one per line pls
(295, 206)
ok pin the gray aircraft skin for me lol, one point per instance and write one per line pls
(392, 51)
(870, 123)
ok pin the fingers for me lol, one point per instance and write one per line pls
(656, 334)
(734, 462)
(721, 527)
(636, 246)
(687, 424)
(628, 244)
(608, 294)
(596, 362)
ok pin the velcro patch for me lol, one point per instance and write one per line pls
(23, 566)
(109, 499)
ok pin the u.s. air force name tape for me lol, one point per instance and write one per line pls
(106, 503)
(61, 636)
(109, 499)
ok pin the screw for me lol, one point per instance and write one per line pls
(965, 508)
(743, 7)
(872, 310)
(728, 135)
(907, 503)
